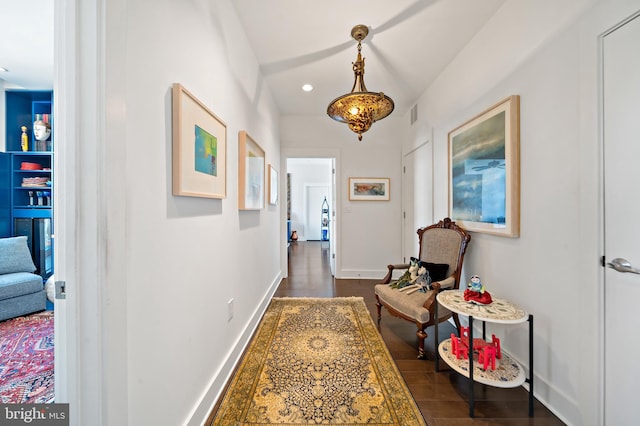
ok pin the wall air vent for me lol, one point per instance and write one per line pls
(414, 114)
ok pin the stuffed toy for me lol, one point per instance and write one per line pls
(423, 281)
(409, 276)
(475, 292)
(416, 278)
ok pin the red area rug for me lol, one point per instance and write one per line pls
(26, 359)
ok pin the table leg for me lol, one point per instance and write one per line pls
(437, 343)
(471, 397)
(530, 380)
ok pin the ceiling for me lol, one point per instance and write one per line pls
(26, 44)
(409, 44)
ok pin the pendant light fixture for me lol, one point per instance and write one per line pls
(360, 108)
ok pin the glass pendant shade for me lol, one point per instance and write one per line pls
(360, 108)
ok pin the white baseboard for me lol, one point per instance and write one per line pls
(354, 274)
(207, 401)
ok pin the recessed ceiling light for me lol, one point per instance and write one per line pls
(3, 69)
(307, 87)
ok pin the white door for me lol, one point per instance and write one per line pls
(621, 111)
(417, 196)
(315, 195)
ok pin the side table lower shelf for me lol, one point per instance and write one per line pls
(508, 373)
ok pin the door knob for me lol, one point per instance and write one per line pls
(622, 265)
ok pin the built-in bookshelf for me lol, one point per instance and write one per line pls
(26, 175)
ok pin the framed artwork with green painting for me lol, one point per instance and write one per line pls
(199, 157)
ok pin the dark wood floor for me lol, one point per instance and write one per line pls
(442, 397)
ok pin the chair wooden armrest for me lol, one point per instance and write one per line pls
(437, 287)
(432, 297)
(391, 268)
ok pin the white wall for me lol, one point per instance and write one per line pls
(552, 269)
(362, 225)
(183, 258)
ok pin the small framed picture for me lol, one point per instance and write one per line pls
(250, 173)
(273, 186)
(369, 189)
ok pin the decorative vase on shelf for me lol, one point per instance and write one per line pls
(24, 139)
(294, 236)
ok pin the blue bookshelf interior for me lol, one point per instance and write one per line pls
(26, 177)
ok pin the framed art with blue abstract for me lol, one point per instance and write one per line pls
(199, 148)
(484, 171)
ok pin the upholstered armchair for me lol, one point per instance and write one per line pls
(441, 249)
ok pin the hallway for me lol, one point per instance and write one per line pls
(441, 397)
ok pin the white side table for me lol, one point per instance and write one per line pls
(508, 373)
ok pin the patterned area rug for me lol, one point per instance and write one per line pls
(317, 361)
(26, 359)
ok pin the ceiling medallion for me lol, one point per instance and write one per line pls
(360, 108)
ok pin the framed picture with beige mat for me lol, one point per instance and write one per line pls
(369, 189)
(251, 171)
(484, 170)
(199, 148)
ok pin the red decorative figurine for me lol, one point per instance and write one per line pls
(475, 292)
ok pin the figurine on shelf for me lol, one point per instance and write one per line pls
(487, 352)
(41, 131)
(24, 139)
(476, 293)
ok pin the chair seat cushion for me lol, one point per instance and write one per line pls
(410, 305)
(18, 284)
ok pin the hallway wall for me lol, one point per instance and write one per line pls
(552, 270)
(183, 254)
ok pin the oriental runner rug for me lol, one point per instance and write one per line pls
(26, 359)
(317, 361)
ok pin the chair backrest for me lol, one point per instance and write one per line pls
(444, 242)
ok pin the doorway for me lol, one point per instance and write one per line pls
(311, 178)
(620, 109)
(26, 97)
(417, 204)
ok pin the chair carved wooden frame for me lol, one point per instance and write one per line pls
(444, 242)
